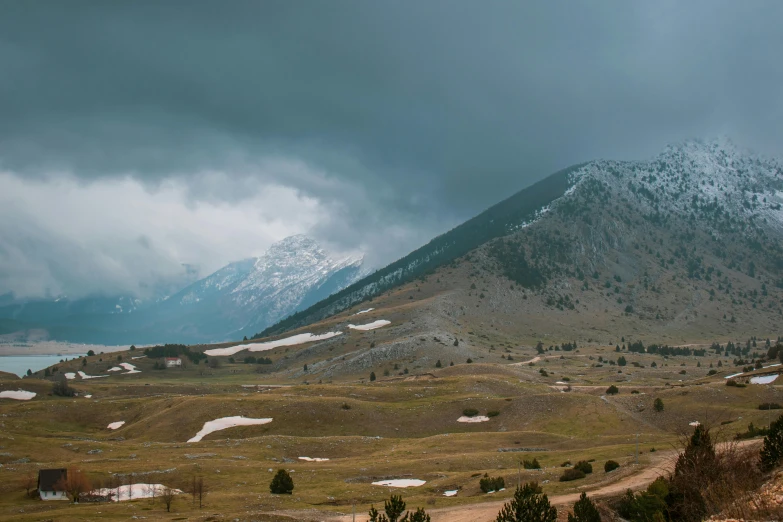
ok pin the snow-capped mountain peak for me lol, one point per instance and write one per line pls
(253, 293)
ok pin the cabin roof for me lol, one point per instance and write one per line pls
(47, 478)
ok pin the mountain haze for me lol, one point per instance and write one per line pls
(237, 300)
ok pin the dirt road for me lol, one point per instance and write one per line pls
(662, 463)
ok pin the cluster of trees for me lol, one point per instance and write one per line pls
(174, 350)
(664, 349)
(529, 504)
(706, 480)
(258, 360)
(393, 510)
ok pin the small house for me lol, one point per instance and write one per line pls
(173, 362)
(50, 484)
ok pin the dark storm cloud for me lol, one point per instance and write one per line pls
(420, 113)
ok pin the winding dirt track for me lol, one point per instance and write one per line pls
(663, 462)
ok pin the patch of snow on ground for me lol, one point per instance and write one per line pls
(369, 326)
(477, 418)
(130, 368)
(314, 459)
(364, 311)
(400, 483)
(226, 422)
(490, 492)
(772, 365)
(133, 491)
(85, 376)
(269, 345)
(452, 493)
(561, 382)
(19, 395)
(139, 357)
(115, 425)
(766, 379)
(114, 369)
(694, 423)
(732, 376)
(88, 396)
(70, 376)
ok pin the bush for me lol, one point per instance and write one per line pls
(584, 511)
(770, 406)
(528, 505)
(584, 466)
(469, 360)
(372, 376)
(752, 432)
(493, 413)
(611, 465)
(712, 372)
(735, 384)
(470, 412)
(488, 484)
(647, 505)
(61, 388)
(612, 390)
(658, 405)
(572, 474)
(531, 464)
(772, 452)
(282, 483)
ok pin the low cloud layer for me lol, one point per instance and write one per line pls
(137, 136)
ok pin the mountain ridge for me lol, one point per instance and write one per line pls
(711, 184)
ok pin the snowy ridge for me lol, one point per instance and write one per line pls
(253, 293)
(695, 176)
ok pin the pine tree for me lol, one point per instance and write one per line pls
(658, 405)
(394, 507)
(696, 469)
(584, 511)
(528, 505)
(372, 376)
(772, 451)
(438, 364)
(282, 483)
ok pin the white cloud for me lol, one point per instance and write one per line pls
(61, 235)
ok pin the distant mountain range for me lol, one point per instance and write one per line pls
(239, 299)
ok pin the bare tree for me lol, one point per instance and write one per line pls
(167, 494)
(30, 482)
(114, 484)
(74, 484)
(201, 490)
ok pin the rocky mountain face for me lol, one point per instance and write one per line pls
(239, 299)
(686, 245)
(251, 294)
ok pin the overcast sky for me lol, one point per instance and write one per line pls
(136, 136)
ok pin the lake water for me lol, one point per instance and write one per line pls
(19, 364)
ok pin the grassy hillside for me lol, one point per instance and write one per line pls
(494, 222)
